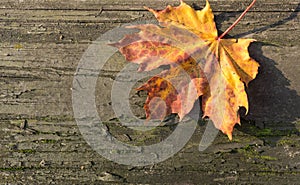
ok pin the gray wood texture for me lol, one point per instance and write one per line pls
(41, 44)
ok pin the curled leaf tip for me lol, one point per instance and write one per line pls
(229, 136)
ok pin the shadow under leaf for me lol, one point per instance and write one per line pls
(273, 106)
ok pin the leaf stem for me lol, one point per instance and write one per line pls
(238, 20)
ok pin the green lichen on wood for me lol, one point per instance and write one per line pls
(27, 151)
(250, 152)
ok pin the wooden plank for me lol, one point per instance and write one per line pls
(28, 61)
(65, 156)
(49, 26)
(218, 5)
(41, 44)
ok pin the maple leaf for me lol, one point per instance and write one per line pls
(201, 64)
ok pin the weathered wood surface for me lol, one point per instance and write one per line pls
(41, 43)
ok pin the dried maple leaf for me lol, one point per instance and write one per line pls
(200, 64)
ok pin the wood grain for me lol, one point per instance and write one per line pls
(41, 44)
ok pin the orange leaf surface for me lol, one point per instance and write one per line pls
(200, 65)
